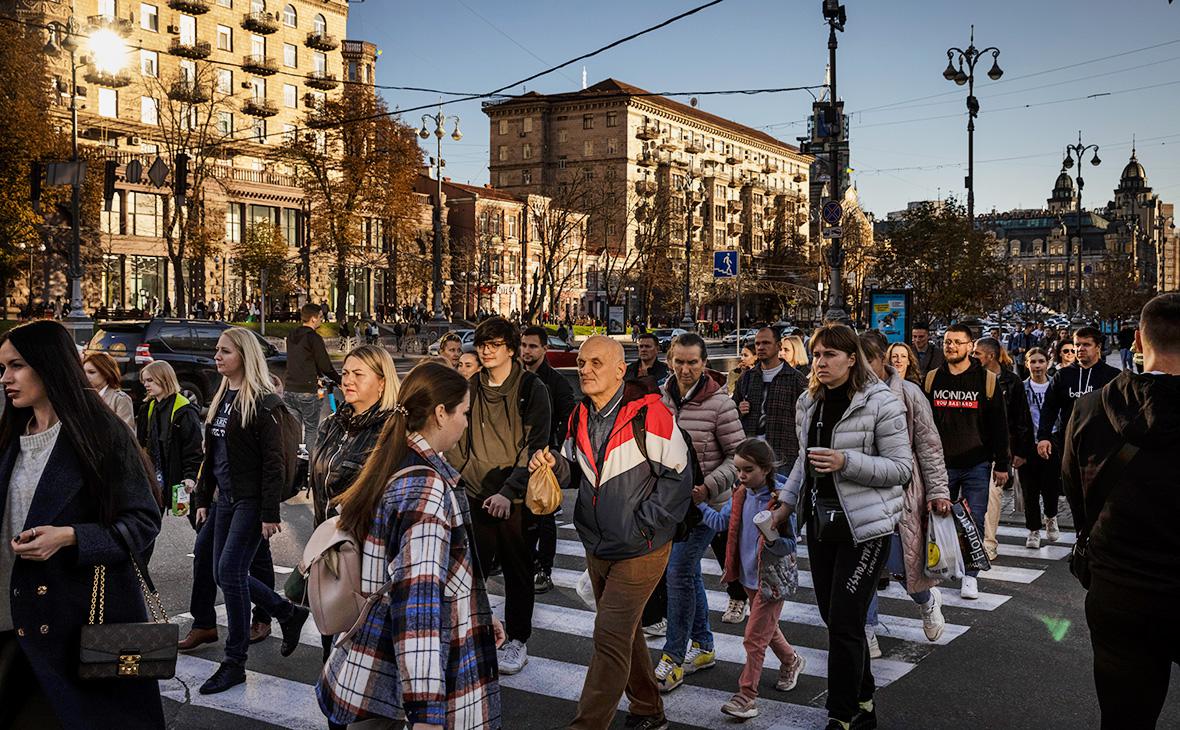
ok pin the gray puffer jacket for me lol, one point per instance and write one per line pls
(878, 460)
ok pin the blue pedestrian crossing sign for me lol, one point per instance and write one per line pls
(725, 264)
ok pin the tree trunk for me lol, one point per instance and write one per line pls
(341, 290)
(177, 260)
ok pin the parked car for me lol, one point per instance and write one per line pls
(747, 335)
(187, 344)
(468, 337)
(561, 354)
(664, 336)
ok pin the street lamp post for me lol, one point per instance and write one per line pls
(440, 121)
(692, 190)
(835, 16)
(965, 74)
(1077, 151)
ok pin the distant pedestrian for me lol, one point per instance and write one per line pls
(102, 372)
(307, 363)
(1040, 477)
(929, 356)
(1126, 338)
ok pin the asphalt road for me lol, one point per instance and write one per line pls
(1017, 658)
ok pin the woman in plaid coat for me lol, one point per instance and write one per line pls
(426, 654)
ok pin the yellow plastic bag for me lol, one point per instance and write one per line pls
(543, 496)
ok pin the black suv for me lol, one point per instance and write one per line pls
(186, 344)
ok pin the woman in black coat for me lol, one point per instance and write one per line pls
(169, 429)
(71, 479)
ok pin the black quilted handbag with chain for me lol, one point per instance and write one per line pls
(132, 650)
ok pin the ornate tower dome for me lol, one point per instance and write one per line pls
(1064, 196)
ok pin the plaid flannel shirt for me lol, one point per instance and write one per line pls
(426, 653)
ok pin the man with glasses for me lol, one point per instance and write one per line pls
(509, 421)
(971, 417)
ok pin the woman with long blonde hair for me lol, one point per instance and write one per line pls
(793, 353)
(243, 467)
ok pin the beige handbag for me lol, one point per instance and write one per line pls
(332, 565)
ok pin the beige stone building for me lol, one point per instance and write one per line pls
(251, 70)
(629, 158)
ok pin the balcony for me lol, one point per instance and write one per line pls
(259, 107)
(645, 161)
(318, 119)
(321, 41)
(260, 65)
(770, 168)
(322, 80)
(647, 132)
(113, 80)
(698, 221)
(261, 23)
(735, 229)
(192, 7)
(122, 26)
(645, 187)
(190, 49)
(189, 92)
(736, 206)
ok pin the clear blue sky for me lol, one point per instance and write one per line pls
(892, 51)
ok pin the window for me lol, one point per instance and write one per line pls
(257, 6)
(225, 81)
(289, 137)
(233, 222)
(319, 62)
(290, 226)
(111, 219)
(290, 18)
(503, 179)
(612, 119)
(188, 71)
(562, 135)
(226, 3)
(225, 38)
(258, 45)
(316, 99)
(503, 153)
(352, 69)
(588, 148)
(290, 95)
(290, 55)
(526, 177)
(149, 110)
(106, 8)
(511, 225)
(526, 151)
(612, 146)
(588, 173)
(188, 30)
(259, 131)
(527, 124)
(145, 211)
(319, 25)
(225, 123)
(108, 103)
(503, 126)
(149, 17)
(149, 64)
(258, 87)
(587, 121)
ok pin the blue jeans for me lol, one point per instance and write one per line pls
(204, 591)
(1128, 358)
(973, 483)
(688, 607)
(236, 537)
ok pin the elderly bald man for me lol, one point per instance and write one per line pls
(630, 499)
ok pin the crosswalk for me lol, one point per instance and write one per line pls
(279, 696)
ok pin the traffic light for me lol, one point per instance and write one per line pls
(108, 183)
(180, 177)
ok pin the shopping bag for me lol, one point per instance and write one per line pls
(543, 496)
(586, 591)
(970, 537)
(944, 560)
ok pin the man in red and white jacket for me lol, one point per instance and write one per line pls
(630, 499)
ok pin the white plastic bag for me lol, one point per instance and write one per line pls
(944, 560)
(586, 591)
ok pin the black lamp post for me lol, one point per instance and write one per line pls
(965, 74)
(1079, 152)
(440, 122)
(835, 16)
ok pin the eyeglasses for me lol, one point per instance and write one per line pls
(1069, 351)
(490, 345)
(958, 343)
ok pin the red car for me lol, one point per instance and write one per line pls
(561, 354)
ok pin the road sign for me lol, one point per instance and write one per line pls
(725, 264)
(833, 212)
(833, 232)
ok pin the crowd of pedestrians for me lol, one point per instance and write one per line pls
(843, 440)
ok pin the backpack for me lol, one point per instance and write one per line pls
(295, 461)
(990, 380)
(331, 564)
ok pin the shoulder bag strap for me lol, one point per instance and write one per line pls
(151, 596)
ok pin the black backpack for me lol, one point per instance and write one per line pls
(295, 468)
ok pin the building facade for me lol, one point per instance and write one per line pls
(234, 76)
(650, 173)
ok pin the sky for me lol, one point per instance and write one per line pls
(908, 124)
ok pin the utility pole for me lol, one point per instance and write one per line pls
(836, 17)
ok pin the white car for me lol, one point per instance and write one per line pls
(747, 335)
(468, 337)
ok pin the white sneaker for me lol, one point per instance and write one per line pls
(513, 657)
(1051, 530)
(659, 628)
(1034, 540)
(932, 621)
(969, 590)
(736, 612)
(874, 645)
(788, 674)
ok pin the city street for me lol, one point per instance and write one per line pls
(1019, 657)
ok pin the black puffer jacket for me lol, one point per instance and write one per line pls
(341, 448)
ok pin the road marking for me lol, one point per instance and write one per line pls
(1010, 574)
(1049, 552)
(1067, 537)
(576, 622)
(263, 697)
